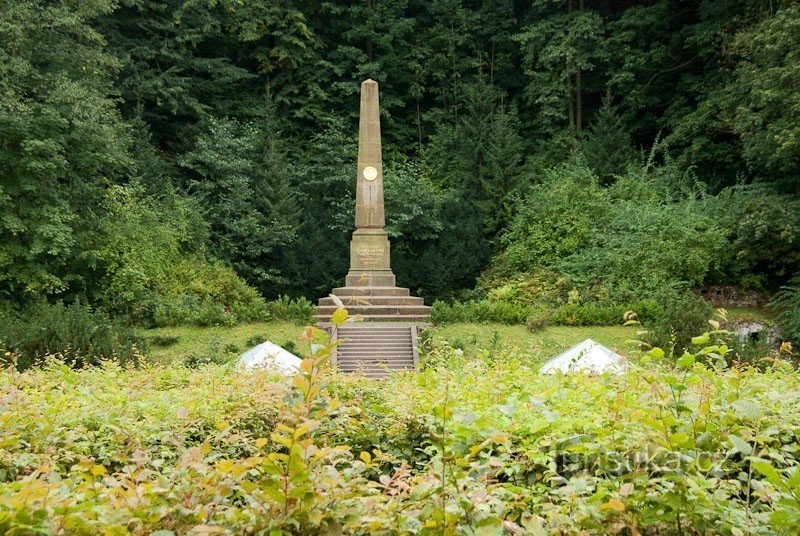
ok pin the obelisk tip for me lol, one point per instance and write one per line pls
(368, 81)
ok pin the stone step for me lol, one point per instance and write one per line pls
(366, 327)
(367, 348)
(372, 279)
(350, 367)
(377, 374)
(371, 357)
(375, 346)
(383, 318)
(375, 354)
(375, 349)
(355, 301)
(373, 372)
(375, 343)
(378, 309)
(370, 291)
(380, 335)
(345, 361)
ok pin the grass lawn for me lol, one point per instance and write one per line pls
(540, 346)
(174, 345)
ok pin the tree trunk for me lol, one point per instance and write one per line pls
(578, 101)
(570, 107)
(578, 97)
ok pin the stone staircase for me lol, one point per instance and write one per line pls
(375, 304)
(375, 349)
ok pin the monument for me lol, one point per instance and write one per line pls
(370, 290)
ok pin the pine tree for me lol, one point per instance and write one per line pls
(607, 144)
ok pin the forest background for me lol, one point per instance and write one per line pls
(181, 162)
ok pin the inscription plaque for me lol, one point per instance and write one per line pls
(370, 255)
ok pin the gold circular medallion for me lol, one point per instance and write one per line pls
(370, 173)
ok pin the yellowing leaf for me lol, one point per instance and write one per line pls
(365, 457)
(98, 470)
(306, 366)
(301, 383)
(613, 504)
(261, 442)
(339, 316)
(701, 339)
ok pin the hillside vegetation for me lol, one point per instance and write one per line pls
(171, 163)
(483, 446)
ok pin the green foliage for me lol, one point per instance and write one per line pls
(300, 310)
(787, 304)
(603, 314)
(685, 314)
(606, 145)
(75, 333)
(239, 180)
(62, 142)
(438, 243)
(538, 320)
(764, 88)
(465, 445)
(152, 279)
(554, 219)
(764, 234)
(204, 293)
(508, 131)
(649, 231)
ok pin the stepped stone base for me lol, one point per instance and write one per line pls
(375, 349)
(385, 340)
(376, 304)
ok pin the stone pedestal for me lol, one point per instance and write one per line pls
(370, 260)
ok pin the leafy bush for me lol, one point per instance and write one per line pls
(485, 310)
(463, 446)
(787, 304)
(685, 314)
(75, 332)
(202, 293)
(539, 315)
(153, 279)
(538, 320)
(764, 230)
(298, 310)
(554, 219)
(603, 314)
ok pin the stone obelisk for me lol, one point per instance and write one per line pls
(369, 248)
(370, 289)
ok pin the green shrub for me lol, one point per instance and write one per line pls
(651, 230)
(554, 219)
(685, 315)
(787, 304)
(154, 274)
(163, 341)
(764, 229)
(298, 310)
(538, 320)
(481, 445)
(485, 310)
(76, 333)
(603, 314)
(215, 353)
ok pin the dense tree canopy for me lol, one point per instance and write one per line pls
(234, 123)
